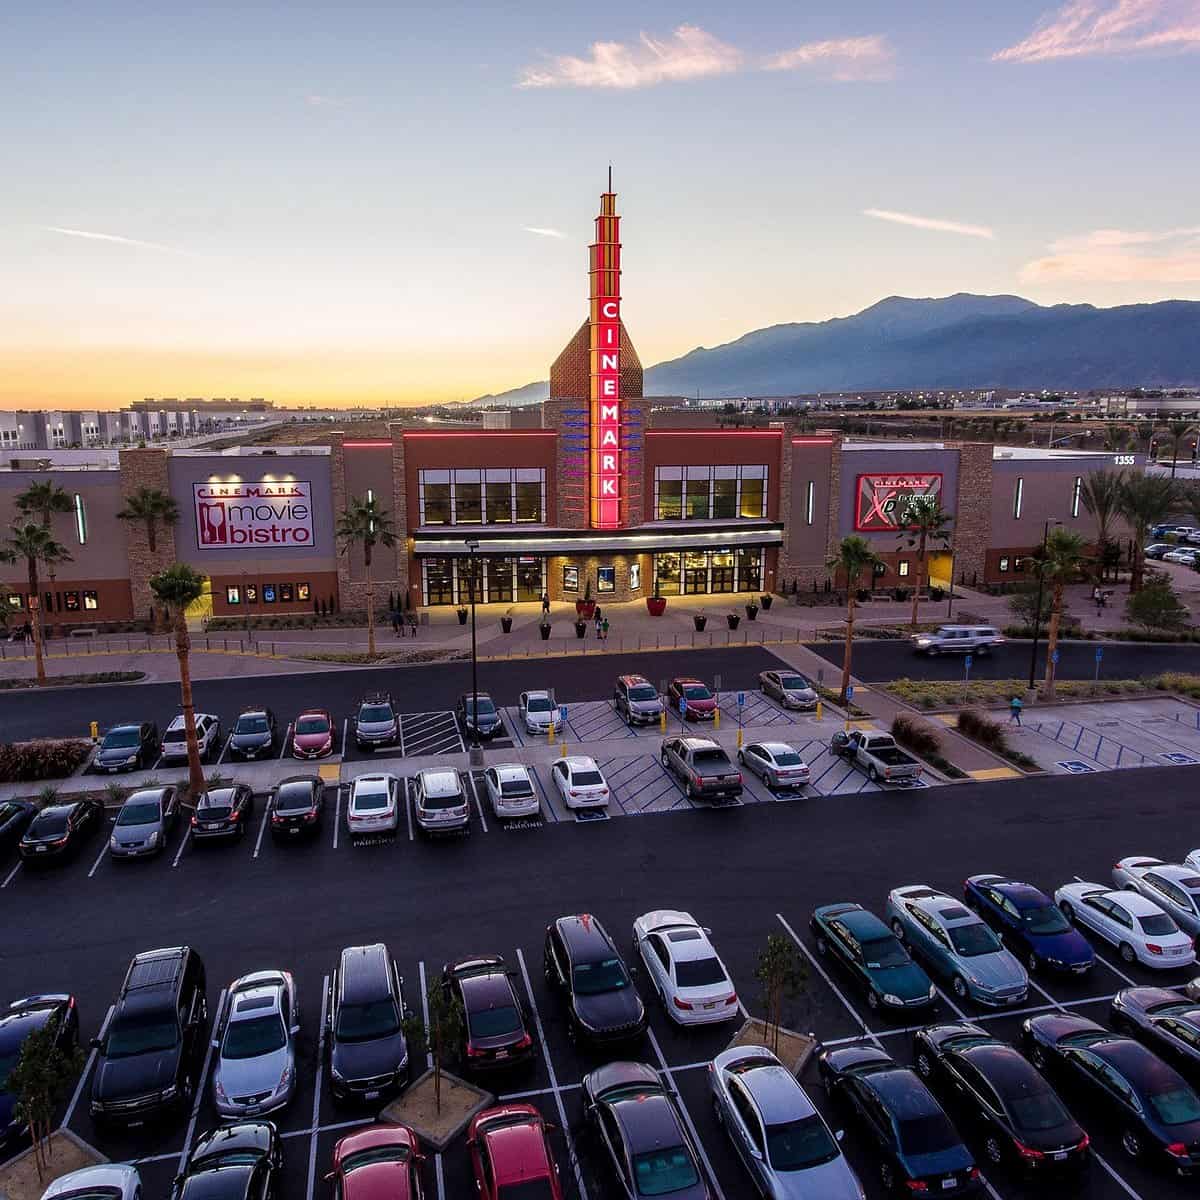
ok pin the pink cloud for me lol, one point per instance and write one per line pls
(1170, 256)
(1094, 27)
(843, 59)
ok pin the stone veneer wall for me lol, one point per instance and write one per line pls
(567, 508)
(400, 514)
(587, 570)
(145, 468)
(571, 371)
(972, 525)
(789, 567)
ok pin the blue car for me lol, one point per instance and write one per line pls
(1031, 924)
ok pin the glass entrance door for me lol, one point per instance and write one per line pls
(695, 574)
(722, 571)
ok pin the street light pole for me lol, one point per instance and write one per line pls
(1037, 611)
(476, 753)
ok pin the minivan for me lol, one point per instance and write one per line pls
(958, 639)
(440, 802)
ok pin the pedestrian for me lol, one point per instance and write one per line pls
(412, 623)
(604, 627)
(26, 632)
(1098, 598)
(599, 616)
(396, 629)
(1014, 710)
(545, 604)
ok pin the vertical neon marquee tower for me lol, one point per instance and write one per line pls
(604, 406)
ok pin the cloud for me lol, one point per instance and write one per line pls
(933, 223)
(323, 100)
(542, 231)
(845, 60)
(1084, 28)
(1170, 256)
(121, 241)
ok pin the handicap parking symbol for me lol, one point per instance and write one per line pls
(1075, 767)
(1180, 760)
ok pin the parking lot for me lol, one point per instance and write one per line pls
(255, 904)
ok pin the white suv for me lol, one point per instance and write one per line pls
(440, 801)
(958, 639)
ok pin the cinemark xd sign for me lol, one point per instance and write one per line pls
(232, 516)
(604, 468)
(880, 500)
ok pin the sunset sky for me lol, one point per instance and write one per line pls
(391, 203)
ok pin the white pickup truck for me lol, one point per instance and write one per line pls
(877, 754)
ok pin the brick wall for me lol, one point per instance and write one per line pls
(587, 570)
(567, 507)
(570, 373)
(146, 468)
(972, 528)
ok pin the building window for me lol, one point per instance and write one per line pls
(1004, 565)
(1018, 497)
(696, 499)
(902, 569)
(570, 580)
(753, 499)
(233, 594)
(81, 529)
(810, 500)
(635, 577)
(724, 501)
(303, 591)
(438, 577)
(371, 501)
(1075, 495)
(880, 569)
(268, 593)
(16, 600)
(286, 593)
(670, 500)
(71, 601)
(91, 601)
(498, 498)
(529, 502)
(493, 496)
(666, 574)
(435, 504)
(252, 593)
(468, 503)
(606, 579)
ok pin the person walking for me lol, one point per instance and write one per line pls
(397, 627)
(1014, 710)
(545, 604)
(599, 616)
(604, 630)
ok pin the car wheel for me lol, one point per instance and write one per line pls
(1032, 964)
(822, 946)
(873, 1001)
(933, 651)
(741, 759)
(1126, 951)
(663, 759)
(924, 1065)
(993, 1150)
(887, 1177)
(1037, 1056)
(872, 774)
(960, 987)
(1131, 1143)
(898, 929)
(1068, 911)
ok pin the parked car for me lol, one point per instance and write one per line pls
(381, 1162)
(297, 808)
(144, 823)
(494, 1032)
(539, 713)
(783, 1141)
(641, 1133)
(1163, 1020)
(368, 1054)
(958, 639)
(255, 1040)
(374, 805)
(17, 1022)
(956, 945)
(128, 747)
(877, 754)
(874, 957)
(1184, 555)
(777, 764)
(153, 1042)
(1158, 549)
(990, 1086)
(701, 703)
(580, 782)
(208, 738)
(683, 968)
(15, 817)
(790, 688)
(58, 832)
(253, 734)
(511, 792)
(223, 813)
(918, 1149)
(702, 766)
(112, 1181)
(581, 962)
(1139, 929)
(376, 723)
(1173, 887)
(637, 700)
(440, 802)
(477, 716)
(1030, 924)
(511, 1155)
(233, 1162)
(1148, 1104)
(312, 734)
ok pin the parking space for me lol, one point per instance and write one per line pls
(430, 733)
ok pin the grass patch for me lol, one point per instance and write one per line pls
(52, 681)
(929, 694)
(987, 731)
(361, 658)
(833, 696)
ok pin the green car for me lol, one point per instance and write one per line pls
(874, 956)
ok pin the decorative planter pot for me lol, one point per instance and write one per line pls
(734, 620)
(766, 602)
(585, 609)
(462, 615)
(656, 605)
(700, 623)
(751, 611)
(506, 624)
(580, 628)
(544, 630)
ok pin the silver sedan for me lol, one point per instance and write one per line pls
(1174, 887)
(255, 1071)
(790, 688)
(777, 764)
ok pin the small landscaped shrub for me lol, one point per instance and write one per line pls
(983, 729)
(919, 736)
(25, 762)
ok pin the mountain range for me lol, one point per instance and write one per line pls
(959, 341)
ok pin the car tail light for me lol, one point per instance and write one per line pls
(474, 1051)
(916, 1185)
(974, 1176)
(195, 822)
(1083, 1145)
(1153, 948)
(1178, 1150)
(1028, 1153)
(311, 816)
(682, 1004)
(277, 818)
(525, 1042)
(731, 999)
(739, 774)
(604, 791)
(573, 792)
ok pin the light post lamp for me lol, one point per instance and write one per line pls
(476, 752)
(1037, 610)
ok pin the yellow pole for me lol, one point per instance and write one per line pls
(739, 745)
(819, 710)
(95, 731)
(717, 717)
(550, 733)
(662, 722)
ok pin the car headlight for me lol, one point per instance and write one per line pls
(132, 758)
(168, 1093)
(152, 840)
(933, 991)
(336, 1075)
(113, 843)
(890, 998)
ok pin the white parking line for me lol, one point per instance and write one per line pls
(224, 750)
(337, 816)
(316, 1108)
(437, 1160)
(287, 733)
(478, 806)
(100, 856)
(83, 1078)
(408, 810)
(187, 834)
(345, 730)
(200, 1085)
(562, 1112)
(10, 876)
(262, 828)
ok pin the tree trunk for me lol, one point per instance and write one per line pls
(151, 537)
(920, 572)
(370, 602)
(1052, 640)
(849, 641)
(1136, 566)
(35, 621)
(183, 645)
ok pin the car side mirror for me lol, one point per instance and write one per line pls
(215, 1044)
(95, 1043)
(295, 1030)
(707, 931)
(408, 1013)
(839, 1134)
(328, 1176)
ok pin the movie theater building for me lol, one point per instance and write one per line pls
(594, 498)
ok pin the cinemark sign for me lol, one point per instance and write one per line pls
(233, 516)
(605, 402)
(880, 499)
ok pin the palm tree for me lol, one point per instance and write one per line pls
(36, 545)
(1059, 561)
(1101, 496)
(925, 522)
(1145, 501)
(853, 557)
(175, 589)
(365, 524)
(44, 499)
(1177, 431)
(1116, 437)
(152, 507)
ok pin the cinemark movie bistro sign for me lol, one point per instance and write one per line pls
(604, 469)
(234, 515)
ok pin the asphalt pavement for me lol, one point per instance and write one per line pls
(745, 872)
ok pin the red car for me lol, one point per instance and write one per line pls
(381, 1162)
(512, 1156)
(312, 735)
(701, 703)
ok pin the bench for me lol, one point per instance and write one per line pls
(82, 631)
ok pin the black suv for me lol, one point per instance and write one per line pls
(152, 1044)
(128, 747)
(253, 734)
(368, 1055)
(582, 962)
(485, 723)
(376, 723)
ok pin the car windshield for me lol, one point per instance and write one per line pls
(250, 1038)
(643, 691)
(1158, 923)
(90, 1193)
(251, 724)
(486, 707)
(930, 1134)
(376, 1154)
(141, 1033)
(586, 779)
(787, 758)
(1036, 1108)
(141, 813)
(972, 939)
(607, 975)
(49, 824)
(884, 952)
(312, 725)
(290, 798)
(536, 704)
(368, 1020)
(370, 801)
(120, 739)
(794, 683)
(515, 787)
(1175, 1104)
(1044, 919)
(795, 1145)
(215, 805)
(495, 1022)
(699, 972)
(697, 691)
(660, 1172)
(373, 713)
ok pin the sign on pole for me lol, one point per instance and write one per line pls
(741, 699)
(967, 660)
(1099, 656)
(562, 714)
